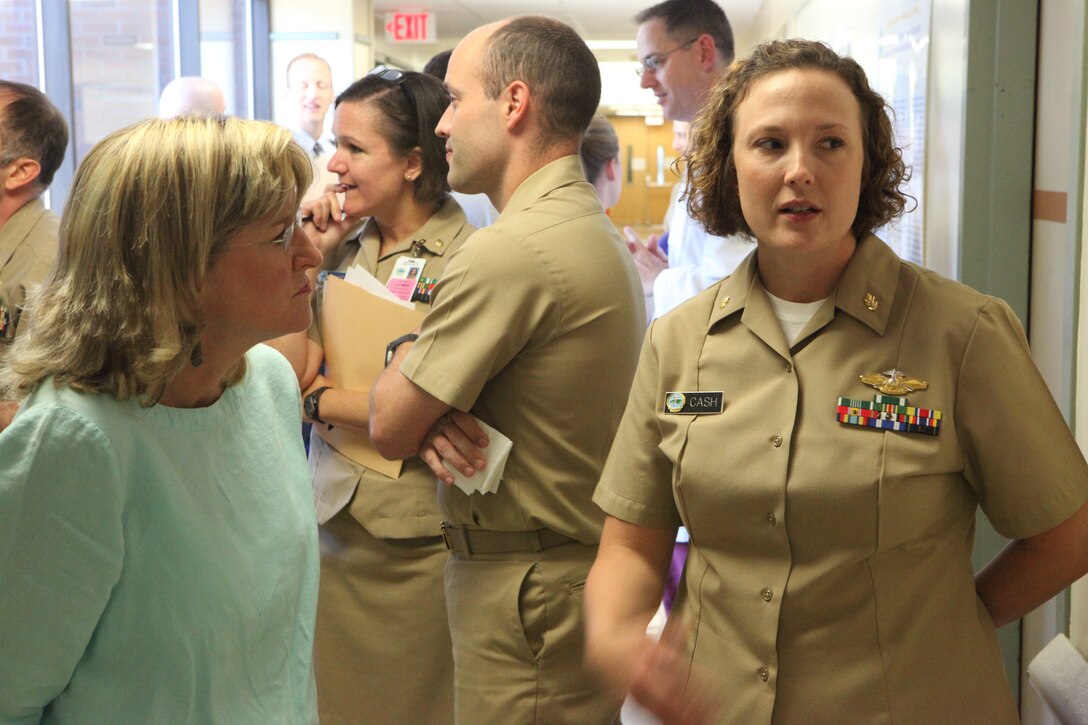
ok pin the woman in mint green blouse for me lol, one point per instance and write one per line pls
(158, 556)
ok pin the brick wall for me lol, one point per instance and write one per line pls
(18, 42)
(122, 53)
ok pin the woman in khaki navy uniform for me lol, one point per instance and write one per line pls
(826, 422)
(382, 650)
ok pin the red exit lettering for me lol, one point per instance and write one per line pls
(402, 27)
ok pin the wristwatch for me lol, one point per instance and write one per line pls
(310, 404)
(391, 348)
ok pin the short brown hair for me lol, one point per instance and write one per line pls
(693, 17)
(713, 196)
(555, 63)
(32, 127)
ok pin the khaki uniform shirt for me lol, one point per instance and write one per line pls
(28, 246)
(830, 578)
(403, 507)
(535, 330)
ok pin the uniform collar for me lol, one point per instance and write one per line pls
(866, 290)
(442, 228)
(436, 234)
(734, 291)
(563, 171)
(18, 226)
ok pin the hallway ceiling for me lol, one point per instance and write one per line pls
(594, 20)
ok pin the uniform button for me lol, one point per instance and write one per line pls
(789, 367)
(438, 243)
(767, 594)
(772, 519)
(764, 674)
(776, 441)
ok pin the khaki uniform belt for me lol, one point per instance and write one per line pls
(461, 540)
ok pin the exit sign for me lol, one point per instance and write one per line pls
(415, 26)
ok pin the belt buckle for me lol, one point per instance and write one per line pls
(449, 531)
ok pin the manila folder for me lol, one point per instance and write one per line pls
(356, 326)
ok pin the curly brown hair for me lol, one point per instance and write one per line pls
(712, 191)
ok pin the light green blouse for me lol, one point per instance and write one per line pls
(158, 565)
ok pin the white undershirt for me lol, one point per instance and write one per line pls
(793, 316)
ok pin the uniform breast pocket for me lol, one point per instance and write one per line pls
(922, 490)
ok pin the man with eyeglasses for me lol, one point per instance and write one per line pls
(535, 330)
(684, 46)
(33, 139)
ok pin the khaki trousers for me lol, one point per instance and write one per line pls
(382, 652)
(518, 639)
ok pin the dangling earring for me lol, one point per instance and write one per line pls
(196, 358)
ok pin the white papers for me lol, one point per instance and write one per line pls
(359, 277)
(496, 453)
(333, 490)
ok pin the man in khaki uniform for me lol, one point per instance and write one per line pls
(33, 137)
(830, 574)
(535, 330)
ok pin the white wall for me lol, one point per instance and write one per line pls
(339, 31)
(1073, 23)
(1059, 162)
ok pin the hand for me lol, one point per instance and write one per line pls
(660, 682)
(458, 439)
(328, 224)
(8, 408)
(650, 261)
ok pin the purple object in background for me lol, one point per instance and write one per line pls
(663, 243)
(676, 570)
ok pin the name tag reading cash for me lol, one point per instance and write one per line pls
(695, 403)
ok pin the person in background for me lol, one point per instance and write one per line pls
(684, 47)
(158, 554)
(383, 654)
(478, 209)
(309, 96)
(191, 94)
(534, 329)
(33, 139)
(438, 64)
(826, 422)
(680, 146)
(600, 154)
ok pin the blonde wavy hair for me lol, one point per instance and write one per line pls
(150, 206)
(713, 195)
